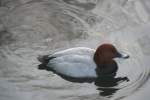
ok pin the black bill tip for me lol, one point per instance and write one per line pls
(122, 55)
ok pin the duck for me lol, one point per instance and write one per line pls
(83, 63)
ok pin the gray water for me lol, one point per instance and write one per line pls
(29, 28)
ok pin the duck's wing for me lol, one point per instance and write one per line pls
(74, 51)
(73, 65)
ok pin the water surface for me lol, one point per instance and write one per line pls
(33, 27)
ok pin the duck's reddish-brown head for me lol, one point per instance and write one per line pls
(105, 54)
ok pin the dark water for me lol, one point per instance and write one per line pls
(37, 27)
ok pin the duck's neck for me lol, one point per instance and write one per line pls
(105, 63)
(101, 61)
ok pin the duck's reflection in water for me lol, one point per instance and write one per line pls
(105, 84)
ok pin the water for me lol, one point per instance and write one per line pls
(36, 27)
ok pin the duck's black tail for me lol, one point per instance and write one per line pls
(43, 58)
(44, 61)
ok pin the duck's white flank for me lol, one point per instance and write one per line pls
(74, 62)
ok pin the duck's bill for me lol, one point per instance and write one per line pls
(122, 55)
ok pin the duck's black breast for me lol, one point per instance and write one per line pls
(107, 69)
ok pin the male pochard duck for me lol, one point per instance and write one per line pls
(82, 62)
